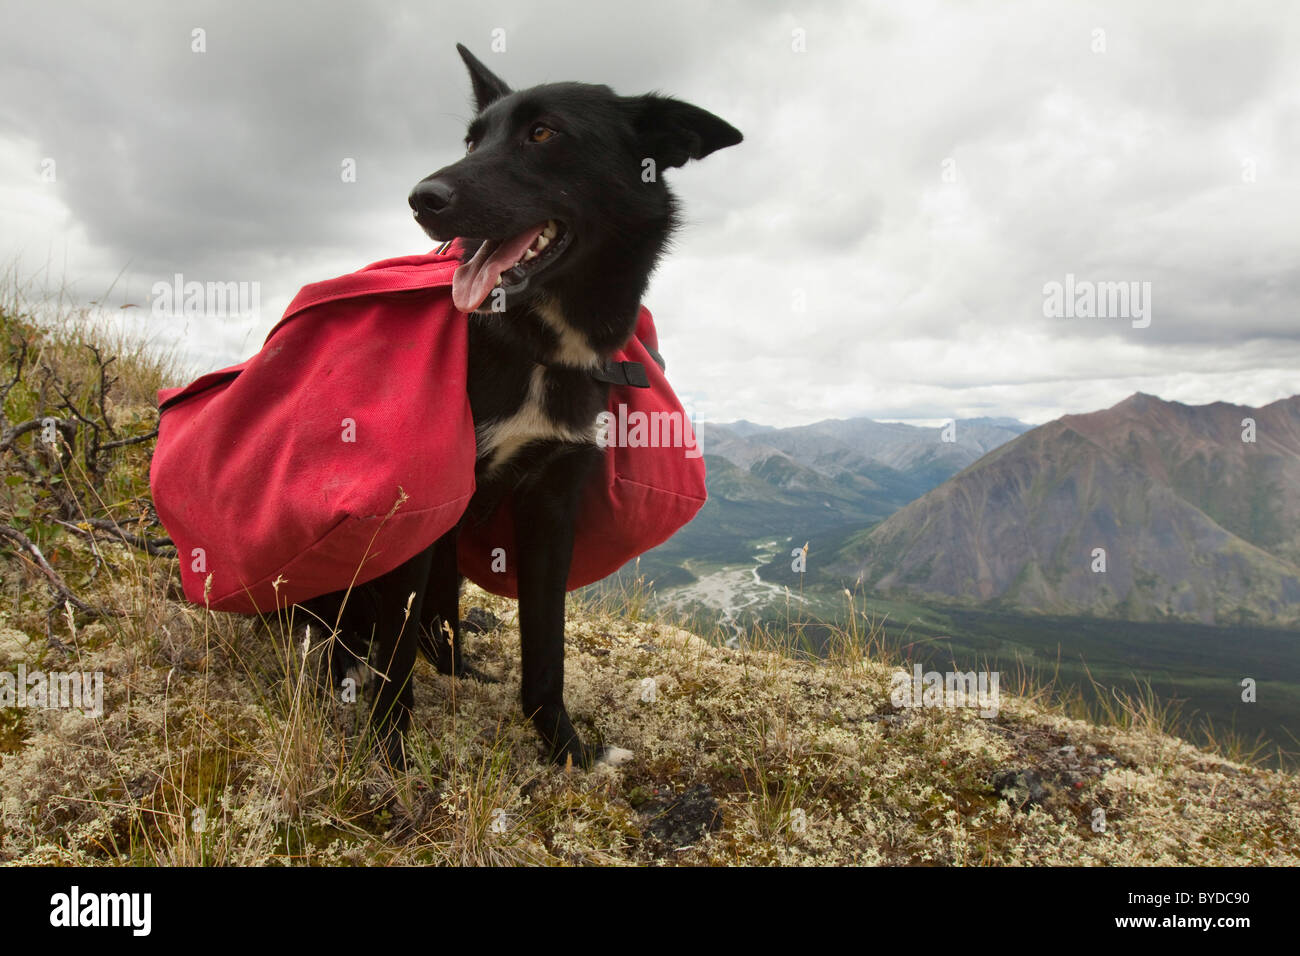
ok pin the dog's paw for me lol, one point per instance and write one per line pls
(358, 679)
(580, 756)
(467, 672)
(614, 756)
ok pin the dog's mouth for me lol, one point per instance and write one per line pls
(508, 264)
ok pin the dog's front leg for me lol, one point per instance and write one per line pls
(440, 616)
(546, 510)
(399, 600)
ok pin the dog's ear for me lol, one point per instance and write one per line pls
(672, 132)
(488, 87)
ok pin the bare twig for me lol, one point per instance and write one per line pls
(92, 446)
(156, 547)
(9, 435)
(122, 442)
(57, 584)
(104, 385)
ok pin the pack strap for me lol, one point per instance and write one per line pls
(631, 374)
(627, 374)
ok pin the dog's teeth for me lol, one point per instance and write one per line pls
(550, 230)
(498, 282)
(541, 243)
(530, 254)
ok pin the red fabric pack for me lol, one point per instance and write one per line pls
(279, 476)
(288, 465)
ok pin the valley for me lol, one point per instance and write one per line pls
(980, 552)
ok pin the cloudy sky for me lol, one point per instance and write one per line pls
(913, 175)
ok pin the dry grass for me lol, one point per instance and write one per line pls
(218, 744)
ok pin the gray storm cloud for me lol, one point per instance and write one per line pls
(910, 180)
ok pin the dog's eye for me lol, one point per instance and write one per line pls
(540, 133)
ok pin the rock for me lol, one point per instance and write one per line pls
(679, 821)
(1020, 788)
(479, 620)
(1069, 756)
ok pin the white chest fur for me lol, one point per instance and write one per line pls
(502, 439)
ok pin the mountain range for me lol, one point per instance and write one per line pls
(1147, 510)
(833, 476)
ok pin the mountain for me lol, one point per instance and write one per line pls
(1196, 522)
(831, 476)
(746, 429)
(859, 445)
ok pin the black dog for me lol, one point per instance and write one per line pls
(563, 214)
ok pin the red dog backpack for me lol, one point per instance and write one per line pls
(346, 447)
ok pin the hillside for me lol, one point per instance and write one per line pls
(1196, 523)
(216, 745)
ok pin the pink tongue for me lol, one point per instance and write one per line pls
(472, 281)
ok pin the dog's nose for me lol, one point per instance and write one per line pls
(430, 197)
